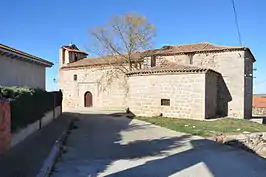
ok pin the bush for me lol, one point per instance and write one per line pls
(29, 105)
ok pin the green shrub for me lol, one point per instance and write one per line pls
(29, 105)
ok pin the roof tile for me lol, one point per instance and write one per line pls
(169, 67)
(166, 50)
(259, 101)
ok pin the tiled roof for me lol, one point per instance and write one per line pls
(71, 46)
(168, 68)
(164, 51)
(193, 48)
(89, 62)
(108, 59)
(74, 50)
(6, 49)
(259, 101)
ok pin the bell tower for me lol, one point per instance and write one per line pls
(69, 54)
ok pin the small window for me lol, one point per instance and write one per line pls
(153, 61)
(75, 77)
(75, 56)
(190, 59)
(165, 102)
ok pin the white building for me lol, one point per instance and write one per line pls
(18, 68)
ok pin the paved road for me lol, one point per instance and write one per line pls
(102, 145)
(26, 158)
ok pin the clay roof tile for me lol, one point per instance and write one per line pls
(164, 51)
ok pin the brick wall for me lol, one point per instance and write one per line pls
(5, 132)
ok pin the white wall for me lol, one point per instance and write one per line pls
(15, 72)
(105, 94)
(23, 133)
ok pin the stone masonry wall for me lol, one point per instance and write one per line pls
(259, 111)
(234, 89)
(231, 66)
(106, 93)
(185, 91)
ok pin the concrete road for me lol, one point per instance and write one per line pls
(26, 158)
(102, 145)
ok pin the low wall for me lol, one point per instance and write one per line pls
(27, 131)
(48, 117)
(24, 133)
(259, 111)
(5, 129)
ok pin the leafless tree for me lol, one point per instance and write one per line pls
(121, 40)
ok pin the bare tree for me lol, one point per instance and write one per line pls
(121, 41)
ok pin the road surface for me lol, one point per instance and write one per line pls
(104, 145)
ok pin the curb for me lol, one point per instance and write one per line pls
(54, 153)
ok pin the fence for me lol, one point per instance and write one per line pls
(22, 115)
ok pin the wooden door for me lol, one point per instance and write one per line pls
(88, 99)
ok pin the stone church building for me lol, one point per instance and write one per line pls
(195, 81)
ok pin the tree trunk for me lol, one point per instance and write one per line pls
(130, 65)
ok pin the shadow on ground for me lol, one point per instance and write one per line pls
(26, 158)
(98, 142)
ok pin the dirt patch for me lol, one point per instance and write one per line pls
(251, 142)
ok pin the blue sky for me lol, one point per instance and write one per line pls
(41, 27)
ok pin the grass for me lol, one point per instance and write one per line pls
(206, 128)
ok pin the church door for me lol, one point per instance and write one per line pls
(88, 99)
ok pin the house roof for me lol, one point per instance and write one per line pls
(6, 50)
(259, 101)
(170, 67)
(105, 60)
(90, 61)
(203, 47)
(193, 48)
(73, 48)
